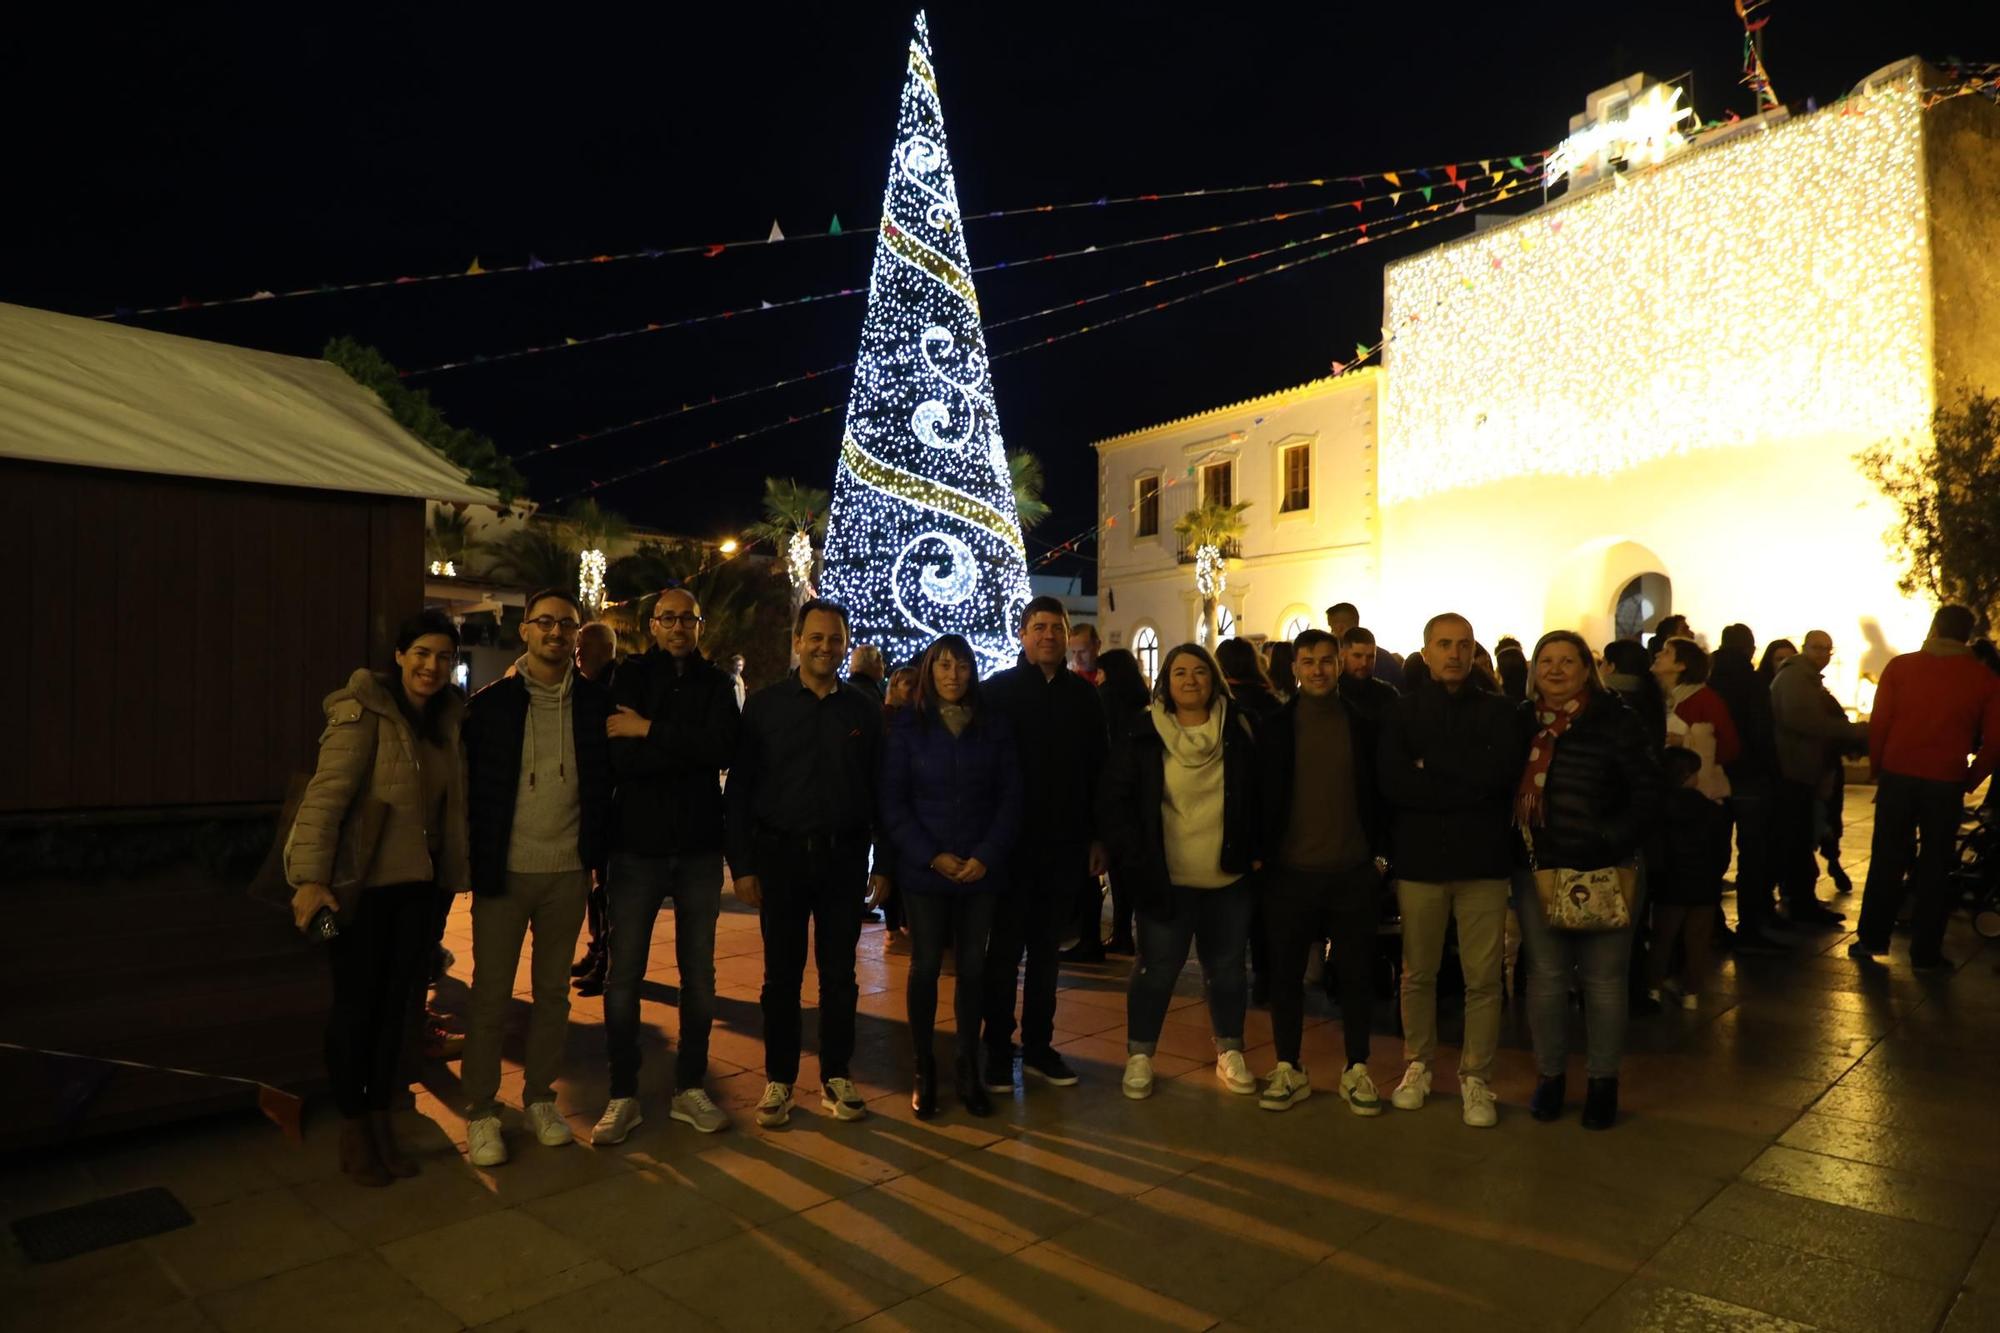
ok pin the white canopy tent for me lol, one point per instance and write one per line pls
(91, 393)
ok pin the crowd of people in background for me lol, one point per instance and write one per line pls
(1267, 809)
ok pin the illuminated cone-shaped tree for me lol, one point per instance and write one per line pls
(924, 537)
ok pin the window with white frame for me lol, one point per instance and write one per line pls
(1218, 482)
(1146, 506)
(1295, 474)
(1297, 624)
(1146, 647)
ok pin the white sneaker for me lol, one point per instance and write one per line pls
(774, 1108)
(839, 1096)
(1358, 1091)
(1690, 1001)
(1285, 1088)
(621, 1116)
(549, 1126)
(1416, 1085)
(1234, 1074)
(694, 1107)
(1478, 1099)
(483, 1144)
(1138, 1081)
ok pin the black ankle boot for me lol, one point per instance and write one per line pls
(1550, 1090)
(924, 1099)
(1600, 1103)
(972, 1093)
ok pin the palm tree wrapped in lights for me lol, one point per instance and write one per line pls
(793, 516)
(1209, 528)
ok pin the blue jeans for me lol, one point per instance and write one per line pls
(637, 886)
(1599, 962)
(1217, 923)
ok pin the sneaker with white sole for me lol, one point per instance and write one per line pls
(1691, 1001)
(483, 1143)
(621, 1116)
(551, 1130)
(1138, 1081)
(774, 1108)
(1478, 1099)
(1286, 1087)
(694, 1107)
(840, 1096)
(1233, 1074)
(1358, 1090)
(1416, 1085)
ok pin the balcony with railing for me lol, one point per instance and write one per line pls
(1184, 550)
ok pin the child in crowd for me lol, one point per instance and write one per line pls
(1687, 880)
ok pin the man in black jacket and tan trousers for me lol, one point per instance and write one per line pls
(1450, 758)
(672, 735)
(538, 782)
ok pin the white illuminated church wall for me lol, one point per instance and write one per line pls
(1670, 374)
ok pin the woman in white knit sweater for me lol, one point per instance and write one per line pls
(1178, 807)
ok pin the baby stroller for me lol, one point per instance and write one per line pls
(1975, 873)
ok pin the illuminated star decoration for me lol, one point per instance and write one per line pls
(923, 537)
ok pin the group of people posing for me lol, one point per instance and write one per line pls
(986, 804)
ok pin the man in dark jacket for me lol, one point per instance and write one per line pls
(801, 821)
(1450, 759)
(596, 662)
(673, 734)
(1059, 729)
(538, 787)
(1753, 779)
(1358, 683)
(1321, 831)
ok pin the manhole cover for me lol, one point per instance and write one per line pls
(68, 1232)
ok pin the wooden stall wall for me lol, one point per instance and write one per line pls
(177, 636)
(174, 640)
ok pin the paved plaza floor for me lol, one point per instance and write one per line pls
(1816, 1147)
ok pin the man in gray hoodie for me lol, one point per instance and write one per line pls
(1812, 731)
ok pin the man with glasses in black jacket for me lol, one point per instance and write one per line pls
(673, 733)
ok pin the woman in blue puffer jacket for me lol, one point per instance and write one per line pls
(951, 804)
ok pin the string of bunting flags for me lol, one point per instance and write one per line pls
(1476, 200)
(713, 249)
(1393, 197)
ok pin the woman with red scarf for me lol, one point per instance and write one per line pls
(1586, 802)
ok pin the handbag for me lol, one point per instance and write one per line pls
(1585, 900)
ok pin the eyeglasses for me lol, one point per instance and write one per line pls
(687, 619)
(550, 625)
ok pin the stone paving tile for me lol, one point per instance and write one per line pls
(760, 1281)
(1874, 1188)
(348, 1291)
(494, 1265)
(904, 1242)
(636, 1218)
(1642, 1306)
(1795, 1285)
(246, 1239)
(1974, 1161)
(99, 1289)
(1041, 1287)
(1851, 1235)
(1973, 1312)
(614, 1304)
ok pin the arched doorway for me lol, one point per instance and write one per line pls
(1641, 604)
(1606, 589)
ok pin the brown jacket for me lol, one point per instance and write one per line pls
(368, 749)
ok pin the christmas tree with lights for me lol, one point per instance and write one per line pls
(924, 538)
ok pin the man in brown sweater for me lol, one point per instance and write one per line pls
(1319, 809)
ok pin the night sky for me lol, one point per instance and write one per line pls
(170, 156)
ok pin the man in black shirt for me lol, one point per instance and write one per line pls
(1059, 729)
(801, 814)
(673, 733)
(1359, 684)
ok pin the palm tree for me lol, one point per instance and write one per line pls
(592, 528)
(447, 536)
(1209, 528)
(1025, 472)
(538, 554)
(793, 516)
(732, 593)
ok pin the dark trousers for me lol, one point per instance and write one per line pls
(1217, 923)
(1300, 908)
(824, 889)
(635, 890)
(597, 921)
(1121, 909)
(965, 920)
(1794, 840)
(1089, 912)
(1753, 811)
(1029, 921)
(1916, 821)
(378, 963)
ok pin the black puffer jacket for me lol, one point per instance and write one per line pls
(1133, 790)
(1731, 675)
(496, 721)
(1604, 788)
(669, 796)
(1449, 764)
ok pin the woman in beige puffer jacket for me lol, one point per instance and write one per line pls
(383, 822)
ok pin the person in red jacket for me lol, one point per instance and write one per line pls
(1932, 708)
(1698, 717)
